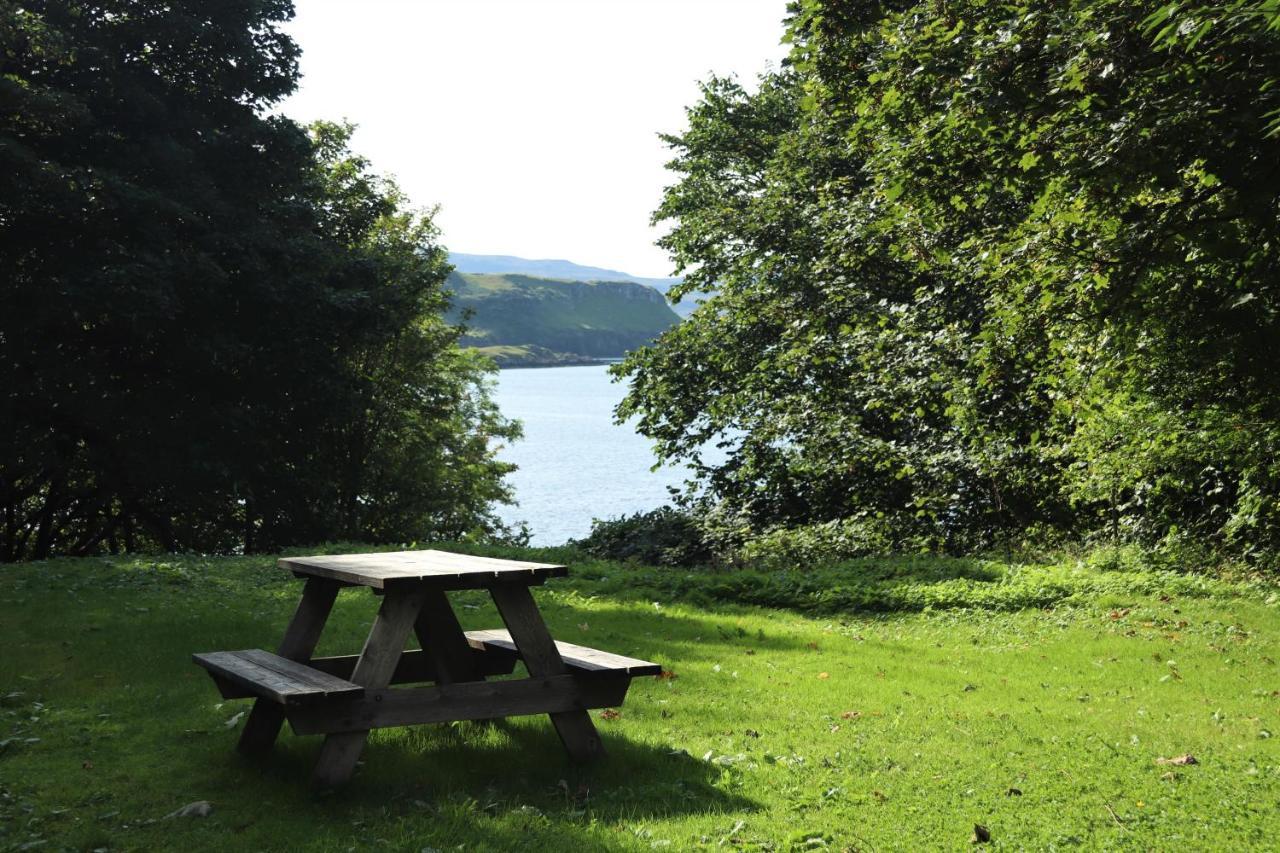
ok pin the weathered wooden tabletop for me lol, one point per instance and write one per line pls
(440, 569)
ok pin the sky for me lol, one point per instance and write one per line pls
(531, 123)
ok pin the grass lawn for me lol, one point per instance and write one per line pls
(918, 699)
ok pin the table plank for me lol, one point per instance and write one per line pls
(442, 569)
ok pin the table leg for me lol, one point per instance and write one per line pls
(442, 638)
(377, 662)
(300, 638)
(542, 659)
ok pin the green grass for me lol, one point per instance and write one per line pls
(820, 724)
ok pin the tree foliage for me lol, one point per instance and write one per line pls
(982, 270)
(218, 332)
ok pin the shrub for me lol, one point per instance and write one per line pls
(665, 536)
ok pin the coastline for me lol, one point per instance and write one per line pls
(586, 362)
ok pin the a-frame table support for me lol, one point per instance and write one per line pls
(300, 638)
(396, 617)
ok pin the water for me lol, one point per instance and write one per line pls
(576, 464)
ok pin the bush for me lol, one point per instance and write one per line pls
(665, 536)
(668, 536)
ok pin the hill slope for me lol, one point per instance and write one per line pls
(555, 268)
(526, 320)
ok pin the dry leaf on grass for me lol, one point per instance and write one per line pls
(1180, 761)
(824, 675)
(610, 714)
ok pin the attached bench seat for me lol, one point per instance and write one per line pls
(258, 673)
(254, 672)
(579, 659)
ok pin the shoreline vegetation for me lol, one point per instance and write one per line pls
(510, 357)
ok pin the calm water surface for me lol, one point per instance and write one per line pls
(575, 463)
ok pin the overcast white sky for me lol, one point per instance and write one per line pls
(531, 122)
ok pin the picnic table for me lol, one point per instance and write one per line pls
(345, 697)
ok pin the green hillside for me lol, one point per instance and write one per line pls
(567, 271)
(524, 320)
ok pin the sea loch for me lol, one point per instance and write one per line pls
(575, 463)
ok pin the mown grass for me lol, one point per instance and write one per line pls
(878, 705)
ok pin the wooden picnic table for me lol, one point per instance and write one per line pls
(344, 697)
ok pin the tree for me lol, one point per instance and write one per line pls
(1000, 268)
(189, 299)
(408, 452)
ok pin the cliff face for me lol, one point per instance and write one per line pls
(605, 291)
(579, 319)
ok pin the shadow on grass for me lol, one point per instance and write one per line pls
(890, 584)
(921, 569)
(924, 568)
(503, 768)
(868, 586)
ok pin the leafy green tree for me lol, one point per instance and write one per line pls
(148, 249)
(409, 452)
(997, 268)
(199, 300)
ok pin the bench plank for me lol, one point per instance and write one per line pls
(581, 658)
(275, 678)
(414, 667)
